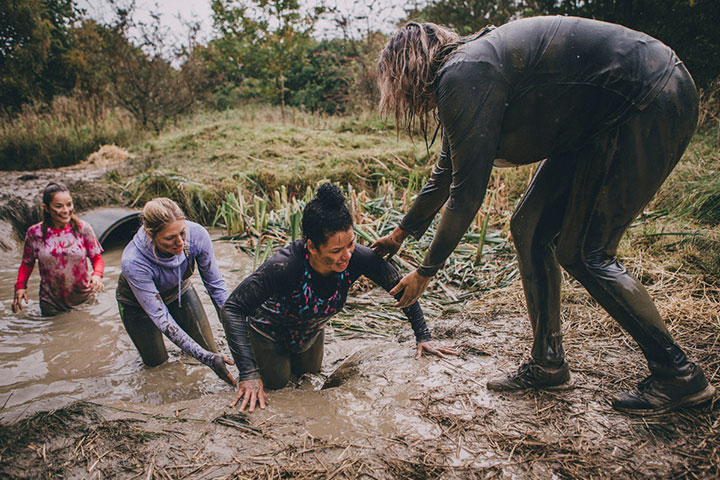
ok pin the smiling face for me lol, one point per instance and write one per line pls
(60, 209)
(171, 239)
(334, 255)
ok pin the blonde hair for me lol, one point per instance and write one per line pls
(407, 69)
(158, 213)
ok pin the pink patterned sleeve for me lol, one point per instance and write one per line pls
(92, 245)
(28, 261)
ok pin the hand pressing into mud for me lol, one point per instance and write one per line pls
(218, 366)
(435, 348)
(252, 393)
(389, 245)
(96, 284)
(20, 294)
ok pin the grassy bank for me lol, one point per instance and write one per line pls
(209, 154)
(62, 133)
(210, 159)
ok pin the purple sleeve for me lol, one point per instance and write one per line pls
(139, 278)
(209, 270)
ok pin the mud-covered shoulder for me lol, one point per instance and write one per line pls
(365, 262)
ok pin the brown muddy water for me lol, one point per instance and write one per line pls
(85, 354)
(387, 415)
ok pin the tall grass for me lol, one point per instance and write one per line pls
(273, 221)
(62, 133)
(197, 200)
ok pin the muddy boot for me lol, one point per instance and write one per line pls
(530, 376)
(660, 394)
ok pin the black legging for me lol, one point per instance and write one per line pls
(148, 339)
(576, 210)
(276, 363)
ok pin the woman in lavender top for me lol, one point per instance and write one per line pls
(154, 292)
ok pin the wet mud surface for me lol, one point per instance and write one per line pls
(386, 415)
(76, 401)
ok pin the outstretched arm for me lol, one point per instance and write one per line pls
(146, 293)
(422, 211)
(386, 275)
(235, 315)
(471, 111)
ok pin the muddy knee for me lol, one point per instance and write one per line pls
(146, 337)
(596, 264)
(274, 380)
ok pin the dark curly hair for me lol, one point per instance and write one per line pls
(325, 215)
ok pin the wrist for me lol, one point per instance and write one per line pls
(398, 235)
(424, 273)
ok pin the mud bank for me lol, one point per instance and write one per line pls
(21, 195)
(394, 417)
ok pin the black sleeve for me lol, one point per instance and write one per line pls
(272, 277)
(368, 263)
(432, 196)
(471, 110)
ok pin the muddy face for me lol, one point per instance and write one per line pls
(334, 255)
(60, 209)
(171, 239)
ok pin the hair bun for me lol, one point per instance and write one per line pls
(330, 196)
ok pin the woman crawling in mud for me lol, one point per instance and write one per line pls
(274, 320)
(62, 245)
(609, 111)
(154, 292)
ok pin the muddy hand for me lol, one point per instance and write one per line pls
(251, 392)
(218, 366)
(435, 349)
(389, 245)
(20, 295)
(412, 285)
(96, 284)
(386, 246)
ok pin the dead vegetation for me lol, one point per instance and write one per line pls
(569, 434)
(452, 427)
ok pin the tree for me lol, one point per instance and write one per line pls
(261, 40)
(138, 77)
(467, 16)
(34, 37)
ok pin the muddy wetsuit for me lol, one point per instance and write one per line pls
(155, 296)
(287, 304)
(609, 111)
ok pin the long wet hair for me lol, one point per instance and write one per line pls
(47, 197)
(325, 215)
(407, 69)
(158, 213)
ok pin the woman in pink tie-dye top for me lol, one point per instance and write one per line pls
(62, 245)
